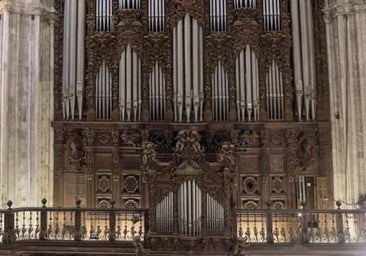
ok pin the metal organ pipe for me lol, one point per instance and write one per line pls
(187, 65)
(311, 60)
(218, 15)
(274, 89)
(220, 94)
(129, 4)
(73, 58)
(130, 86)
(179, 64)
(66, 60)
(244, 4)
(80, 57)
(156, 15)
(188, 69)
(164, 214)
(103, 95)
(195, 70)
(305, 55)
(157, 93)
(247, 85)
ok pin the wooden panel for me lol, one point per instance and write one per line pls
(321, 192)
(276, 163)
(248, 164)
(74, 187)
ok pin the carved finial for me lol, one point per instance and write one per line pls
(9, 204)
(269, 204)
(338, 204)
(303, 204)
(112, 203)
(78, 202)
(44, 202)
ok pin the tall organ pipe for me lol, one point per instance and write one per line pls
(80, 56)
(66, 60)
(220, 93)
(274, 89)
(157, 93)
(247, 84)
(73, 58)
(130, 85)
(188, 69)
(103, 95)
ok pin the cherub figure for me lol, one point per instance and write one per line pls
(148, 152)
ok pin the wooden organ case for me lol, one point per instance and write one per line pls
(191, 200)
(174, 77)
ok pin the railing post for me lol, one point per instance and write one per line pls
(305, 238)
(77, 234)
(43, 231)
(147, 223)
(339, 223)
(112, 223)
(9, 233)
(269, 226)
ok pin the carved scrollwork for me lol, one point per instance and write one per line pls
(75, 152)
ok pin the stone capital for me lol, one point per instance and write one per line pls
(14, 7)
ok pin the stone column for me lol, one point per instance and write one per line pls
(346, 39)
(26, 109)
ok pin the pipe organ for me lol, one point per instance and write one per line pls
(303, 58)
(190, 208)
(103, 15)
(244, 4)
(218, 15)
(271, 15)
(164, 215)
(73, 59)
(208, 88)
(215, 216)
(156, 15)
(129, 4)
(247, 85)
(103, 93)
(274, 88)
(130, 97)
(157, 94)
(220, 93)
(188, 69)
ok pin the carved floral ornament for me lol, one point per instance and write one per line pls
(189, 162)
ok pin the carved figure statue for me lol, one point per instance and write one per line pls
(148, 152)
(239, 247)
(182, 141)
(194, 140)
(139, 247)
(188, 138)
(226, 155)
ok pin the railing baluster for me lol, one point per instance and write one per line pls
(112, 223)
(77, 233)
(43, 232)
(339, 223)
(9, 235)
(269, 222)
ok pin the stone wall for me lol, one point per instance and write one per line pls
(26, 73)
(346, 39)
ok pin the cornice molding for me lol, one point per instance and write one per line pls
(27, 9)
(331, 11)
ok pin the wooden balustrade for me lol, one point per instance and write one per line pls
(283, 226)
